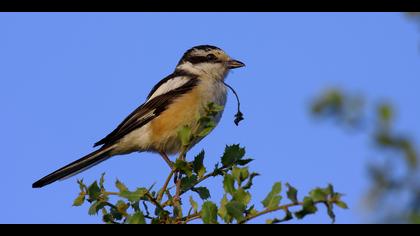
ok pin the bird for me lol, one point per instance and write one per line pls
(176, 101)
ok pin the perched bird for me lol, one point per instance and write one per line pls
(177, 100)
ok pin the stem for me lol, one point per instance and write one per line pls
(111, 205)
(267, 211)
(165, 186)
(191, 218)
(284, 207)
(177, 197)
(153, 200)
(236, 95)
(178, 190)
(167, 160)
(212, 174)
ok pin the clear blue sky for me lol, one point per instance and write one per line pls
(67, 79)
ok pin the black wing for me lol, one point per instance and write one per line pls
(148, 111)
(177, 73)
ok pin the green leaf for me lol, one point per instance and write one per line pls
(203, 192)
(330, 189)
(79, 200)
(385, 113)
(82, 186)
(183, 166)
(209, 213)
(251, 210)
(242, 196)
(198, 165)
(288, 216)
(184, 135)
(122, 207)
(120, 186)
(188, 182)
(273, 198)
(307, 208)
(213, 107)
(94, 191)
(342, 205)
(319, 195)
(236, 210)
(330, 211)
(232, 154)
(223, 211)
(194, 204)
(95, 207)
(244, 162)
(136, 218)
(134, 196)
(102, 180)
(292, 193)
(136, 206)
(217, 171)
(205, 131)
(249, 184)
(272, 221)
(162, 213)
(229, 184)
(116, 214)
(177, 211)
(240, 174)
(106, 217)
(212, 110)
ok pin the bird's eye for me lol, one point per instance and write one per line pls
(211, 56)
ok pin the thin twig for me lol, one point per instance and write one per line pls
(153, 200)
(270, 210)
(191, 217)
(177, 197)
(165, 186)
(212, 174)
(167, 160)
(146, 208)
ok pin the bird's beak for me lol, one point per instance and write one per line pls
(232, 64)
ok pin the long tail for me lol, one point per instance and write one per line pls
(76, 167)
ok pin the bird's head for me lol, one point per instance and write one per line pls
(209, 60)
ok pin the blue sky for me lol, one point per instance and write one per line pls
(67, 79)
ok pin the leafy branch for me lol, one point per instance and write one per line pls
(168, 205)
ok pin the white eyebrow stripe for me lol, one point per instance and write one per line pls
(170, 85)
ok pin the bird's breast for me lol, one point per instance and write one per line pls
(185, 111)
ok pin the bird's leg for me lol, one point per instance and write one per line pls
(167, 160)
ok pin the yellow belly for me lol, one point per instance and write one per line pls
(185, 110)
(164, 129)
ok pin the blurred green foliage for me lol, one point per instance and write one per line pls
(395, 174)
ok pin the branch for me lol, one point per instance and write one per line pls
(192, 217)
(165, 186)
(267, 211)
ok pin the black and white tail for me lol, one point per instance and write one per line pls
(76, 167)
